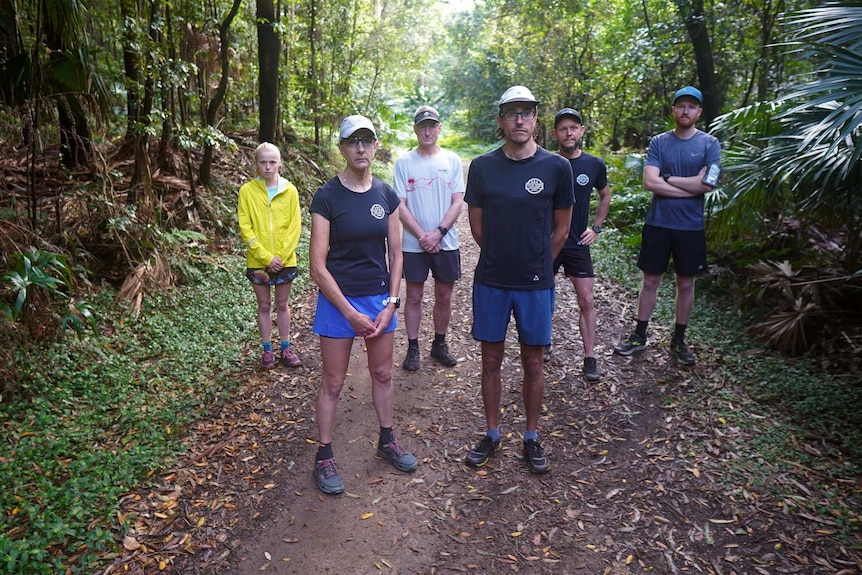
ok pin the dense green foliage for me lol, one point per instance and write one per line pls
(103, 412)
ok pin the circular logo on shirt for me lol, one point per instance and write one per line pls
(534, 186)
(377, 212)
(583, 179)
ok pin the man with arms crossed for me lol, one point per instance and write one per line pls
(519, 200)
(589, 173)
(429, 182)
(681, 166)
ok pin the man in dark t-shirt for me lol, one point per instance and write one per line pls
(589, 173)
(519, 200)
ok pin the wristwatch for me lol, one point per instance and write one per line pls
(597, 229)
(665, 177)
(393, 300)
(443, 231)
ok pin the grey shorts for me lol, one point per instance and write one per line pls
(445, 266)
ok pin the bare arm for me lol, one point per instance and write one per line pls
(396, 266)
(474, 214)
(588, 237)
(676, 186)
(562, 223)
(317, 252)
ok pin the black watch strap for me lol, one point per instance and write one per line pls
(443, 231)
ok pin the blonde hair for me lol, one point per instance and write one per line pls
(267, 147)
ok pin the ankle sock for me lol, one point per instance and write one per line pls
(640, 329)
(385, 435)
(324, 451)
(285, 345)
(528, 435)
(267, 346)
(678, 333)
(413, 343)
(439, 337)
(494, 434)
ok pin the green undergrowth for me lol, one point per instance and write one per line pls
(106, 411)
(798, 420)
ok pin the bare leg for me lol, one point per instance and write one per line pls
(282, 311)
(532, 358)
(380, 367)
(413, 308)
(442, 305)
(586, 313)
(684, 298)
(264, 311)
(648, 295)
(492, 360)
(335, 353)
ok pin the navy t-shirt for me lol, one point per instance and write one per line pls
(358, 228)
(589, 173)
(518, 199)
(683, 158)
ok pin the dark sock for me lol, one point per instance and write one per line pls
(285, 345)
(324, 451)
(439, 337)
(640, 329)
(385, 435)
(267, 346)
(413, 343)
(678, 333)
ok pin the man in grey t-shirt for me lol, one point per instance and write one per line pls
(682, 165)
(429, 182)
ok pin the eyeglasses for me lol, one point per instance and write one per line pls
(512, 115)
(354, 142)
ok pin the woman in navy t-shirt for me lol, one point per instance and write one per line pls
(355, 260)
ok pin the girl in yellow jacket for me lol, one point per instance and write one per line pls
(269, 222)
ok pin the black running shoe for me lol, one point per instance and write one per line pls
(411, 360)
(632, 344)
(534, 455)
(479, 455)
(591, 370)
(683, 355)
(440, 352)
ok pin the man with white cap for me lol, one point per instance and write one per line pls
(429, 182)
(681, 166)
(519, 200)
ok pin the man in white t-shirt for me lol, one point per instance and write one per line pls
(429, 182)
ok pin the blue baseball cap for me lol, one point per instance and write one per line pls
(689, 91)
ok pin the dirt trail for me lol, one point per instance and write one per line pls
(633, 487)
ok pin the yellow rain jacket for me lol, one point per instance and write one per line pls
(269, 229)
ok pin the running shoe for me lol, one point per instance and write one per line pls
(535, 457)
(683, 355)
(479, 455)
(591, 370)
(632, 344)
(289, 359)
(411, 360)
(399, 457)
(440, 352)
(267, 360)
(328, 479)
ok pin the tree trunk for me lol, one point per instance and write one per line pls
(695, 23)
(218, 97)
(269, 47)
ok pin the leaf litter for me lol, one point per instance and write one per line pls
(641, 477)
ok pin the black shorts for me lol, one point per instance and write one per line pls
(575, 263)
(445, 266)
(659, 244)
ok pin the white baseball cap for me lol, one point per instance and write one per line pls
(517, 94)
(351, 124)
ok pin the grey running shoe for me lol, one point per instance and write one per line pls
(591, 371)
(479, 455)
(327, 476)
(683, 355)
(289, 359)
(632, 344)
(411, 360)
(547, 353)
(440, 352)
(402, 459)
(534, 455)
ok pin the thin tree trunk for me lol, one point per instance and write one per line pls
(269, 48)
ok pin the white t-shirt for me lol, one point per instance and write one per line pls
(428, 185)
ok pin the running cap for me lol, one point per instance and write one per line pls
(567, 113)
(351, 124)
(425, 113)
(689, 91)
(517, 94)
